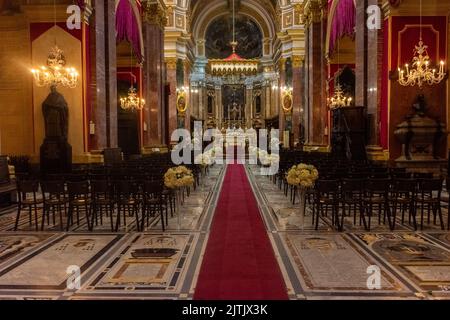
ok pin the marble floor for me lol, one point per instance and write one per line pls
(152, 264)
(327, 264)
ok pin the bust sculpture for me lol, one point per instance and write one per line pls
(56, 115)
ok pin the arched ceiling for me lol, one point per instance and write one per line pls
(205, 11)
(272, 4)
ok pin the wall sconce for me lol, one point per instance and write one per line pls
(145, 128)
(287, 90)
(91, 128)
(183, 89)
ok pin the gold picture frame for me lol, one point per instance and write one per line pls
(182, 103)
(287, 102)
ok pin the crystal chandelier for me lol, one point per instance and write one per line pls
(339, 100)
(132, 101)
(421, 72)
(55, 73)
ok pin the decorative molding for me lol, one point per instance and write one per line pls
(282, 64)
(155, 13)
(87, 11)
(314, 11)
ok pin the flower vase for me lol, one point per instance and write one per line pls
(302, 199)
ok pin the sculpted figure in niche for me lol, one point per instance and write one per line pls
(56, 115)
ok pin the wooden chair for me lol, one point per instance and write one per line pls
(102, 196)
(128, 201)
(376, 195)
(55, 201)
(352, 192)
(79, 199)
(154, 202)
(27, 198)
(327, 194)
(429, 195)
(403, 195)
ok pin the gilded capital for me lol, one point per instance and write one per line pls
(282, 64)
(297, 61)
(315, 11)
(171, 63)
(155, 13)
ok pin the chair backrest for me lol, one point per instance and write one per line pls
(421, 175)
(126, 187)
(352, 185)
(79, 188)
(27, 186)
(79, 177)
(431, 185)
(4, 170)
(101, 187)
(400, 175)
(327, 186)
(54, 177)
(405, 185)
(152, 188)
(53, 187)
(377, 185)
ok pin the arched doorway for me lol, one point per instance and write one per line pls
(127, 123)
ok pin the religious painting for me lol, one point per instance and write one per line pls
(219, 35)
(287, 102)
(257, 100)
(210, 103)
(233, 100)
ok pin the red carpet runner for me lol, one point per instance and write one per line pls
(239, 262)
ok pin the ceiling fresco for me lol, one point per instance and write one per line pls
(219, 35)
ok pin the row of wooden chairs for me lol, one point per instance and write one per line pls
(384, 195)
(139, 198)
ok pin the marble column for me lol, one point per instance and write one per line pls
(366, 43)
(298, 89)
(104, 76)
(367, 76)
(268, 100)
(317, 107)
(249, 114)
(218, 111)
(171, 74)
(281, 114)
(153, 75)
(189, 94)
